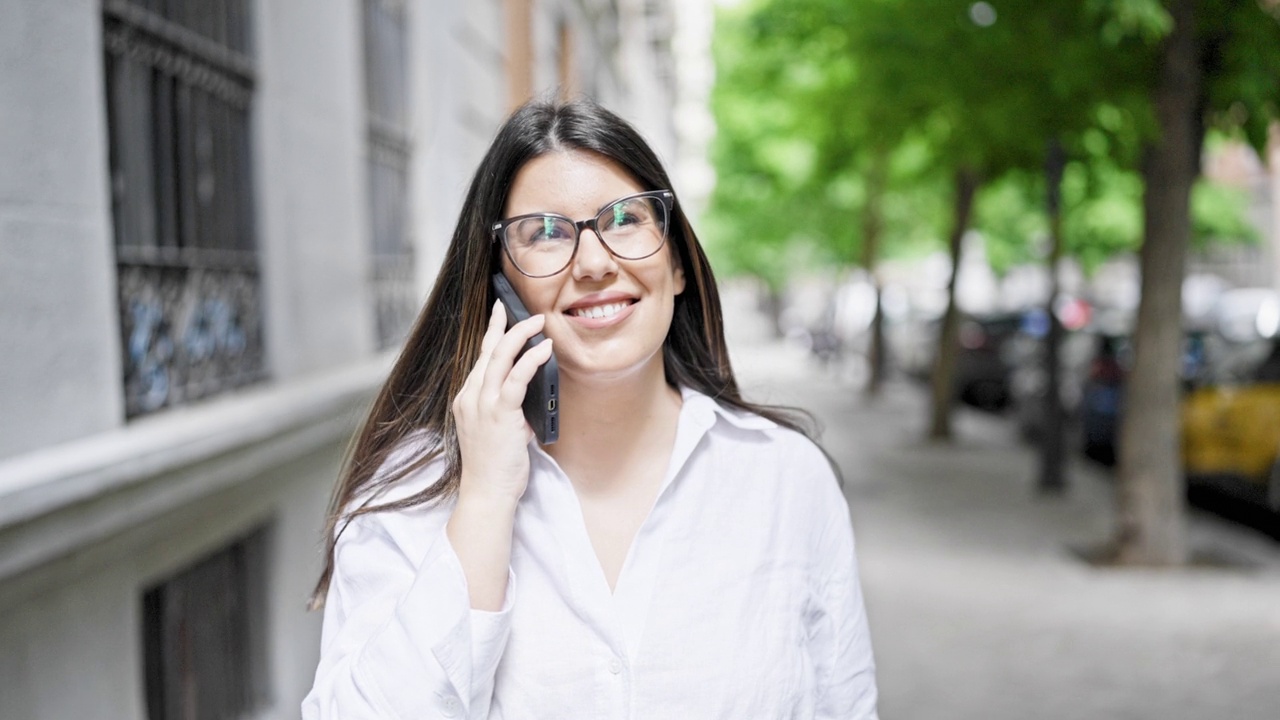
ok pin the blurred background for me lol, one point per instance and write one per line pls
(1021, 259)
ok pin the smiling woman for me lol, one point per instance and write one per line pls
(611, 302)
(679, 552)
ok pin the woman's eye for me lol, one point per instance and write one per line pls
(542, 229)
(628, 213)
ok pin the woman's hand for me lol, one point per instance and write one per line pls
(493, 439)
(493, 435)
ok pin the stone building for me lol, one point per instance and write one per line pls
(217, 218)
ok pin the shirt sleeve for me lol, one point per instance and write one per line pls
(839, 640)
(400, 639)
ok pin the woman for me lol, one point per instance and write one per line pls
(678, 553)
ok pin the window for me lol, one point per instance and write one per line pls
(203, 640)
(179, 84)
(387, 104)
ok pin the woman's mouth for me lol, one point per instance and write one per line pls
(600, 312)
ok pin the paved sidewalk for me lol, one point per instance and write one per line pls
(978, 606)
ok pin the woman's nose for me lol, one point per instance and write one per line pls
(593, 261)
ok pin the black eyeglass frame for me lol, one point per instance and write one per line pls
(666, 197)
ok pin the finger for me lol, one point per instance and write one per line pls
(504, 355)
(492, 335)
(517, 382)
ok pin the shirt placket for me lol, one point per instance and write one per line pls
(619, 617)
(589, 592)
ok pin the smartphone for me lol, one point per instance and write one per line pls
(541, 399)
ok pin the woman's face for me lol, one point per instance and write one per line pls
(607, 316)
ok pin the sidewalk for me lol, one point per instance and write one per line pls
(979, 607)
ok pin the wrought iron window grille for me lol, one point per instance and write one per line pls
(179, 89)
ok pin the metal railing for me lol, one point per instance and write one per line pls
(179, 84)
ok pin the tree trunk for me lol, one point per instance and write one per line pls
(1052, 444)
(771, 304)
(945, 358)
(876, 351)
(1150, 496)
(872, 230)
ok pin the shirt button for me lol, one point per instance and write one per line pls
(450, 706)
(615, 666)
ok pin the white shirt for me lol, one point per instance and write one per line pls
(739, 598)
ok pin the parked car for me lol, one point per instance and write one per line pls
(1028, 380)
(1231, 427)
(983, 369)
(1102, 397)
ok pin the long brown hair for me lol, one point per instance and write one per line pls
(445, 340)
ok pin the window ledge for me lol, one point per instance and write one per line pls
(50, 479)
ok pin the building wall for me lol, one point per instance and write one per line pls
(459, 99)
(96, 508)
(57, 283)
(69, 638)
(1237, 166)
(313, 224)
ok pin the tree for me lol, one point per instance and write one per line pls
(1217, 63)
(937, 62)
(816, 94)
(807, 174)
(969, 99)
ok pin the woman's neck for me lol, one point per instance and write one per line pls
(610, 429)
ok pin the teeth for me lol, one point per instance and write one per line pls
(600, 311)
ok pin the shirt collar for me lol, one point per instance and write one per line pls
(701, 413)
(703, 410)
(698, 414)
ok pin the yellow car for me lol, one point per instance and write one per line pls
(1231, 430)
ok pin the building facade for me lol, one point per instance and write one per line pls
(217, 219)
(1251, 265)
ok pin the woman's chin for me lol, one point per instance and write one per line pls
(604, 368)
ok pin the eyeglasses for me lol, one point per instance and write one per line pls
(543, 244)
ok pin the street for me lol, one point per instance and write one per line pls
(979, 602)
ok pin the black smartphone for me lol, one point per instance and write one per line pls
(541, 400)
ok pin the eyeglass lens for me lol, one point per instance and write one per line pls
(631, 228)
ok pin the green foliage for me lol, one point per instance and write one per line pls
(1009, 212)
(1239, 44)
(1241, 41)
(794, 147)
(1102, 210)
(1219, 214)
(1102, 215)
(1145, 20)
(829, 110)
